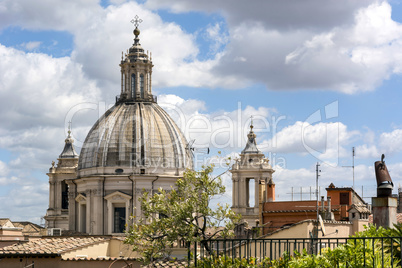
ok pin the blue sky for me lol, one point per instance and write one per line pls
(220, 62)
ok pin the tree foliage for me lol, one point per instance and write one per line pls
(181, 214)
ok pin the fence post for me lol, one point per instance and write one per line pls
(195, 254)
(188, 253)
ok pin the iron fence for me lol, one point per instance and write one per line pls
(385, 249)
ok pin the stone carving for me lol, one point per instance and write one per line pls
(117, 197)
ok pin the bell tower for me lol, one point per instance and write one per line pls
(136, 72)
(59, 191)
(252, 166)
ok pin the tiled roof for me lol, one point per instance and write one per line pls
(169, 263)
(3, 221)
(294, 210)
(50, 246)
(28, 227)
(361, 208)
(100, 259)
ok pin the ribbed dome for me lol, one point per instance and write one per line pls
(135, 135)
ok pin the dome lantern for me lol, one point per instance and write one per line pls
(136, 72)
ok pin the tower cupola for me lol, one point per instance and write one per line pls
(136, 72)
(69, 150)
(251, 146)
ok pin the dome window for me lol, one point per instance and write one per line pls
(133, 86)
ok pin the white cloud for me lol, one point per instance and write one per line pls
(391, 142)
(272, 14)
(224, 130)
(31, 45)
(388, 143)
(348, 47)
(327, 139)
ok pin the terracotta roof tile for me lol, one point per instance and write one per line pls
(3, 221)
(361, 208)
(169, 263)
(53, 245)
(100, 259)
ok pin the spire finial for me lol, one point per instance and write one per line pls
(251, 123)
(69, 128)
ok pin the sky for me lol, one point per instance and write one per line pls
(317, 78)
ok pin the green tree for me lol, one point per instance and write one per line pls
(182, 214)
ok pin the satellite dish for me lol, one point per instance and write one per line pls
(321, 225)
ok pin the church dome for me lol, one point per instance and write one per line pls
(134, 136)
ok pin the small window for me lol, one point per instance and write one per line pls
(119, 220)
(344, 198)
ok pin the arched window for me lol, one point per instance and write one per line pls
(142, 85)
(133, 86)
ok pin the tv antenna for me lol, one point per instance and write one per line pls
(352, 166)
(191, 148)
(317, 171)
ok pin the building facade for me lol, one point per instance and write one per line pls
(134, 147)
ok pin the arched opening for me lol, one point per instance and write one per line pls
(251, 192)
(64, 195)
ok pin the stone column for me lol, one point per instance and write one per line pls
(122, 81)
(88, 212)
(72, 212)
(235, 193)
(256, 192)
(97, 225)
(58, 195)
(51, 194)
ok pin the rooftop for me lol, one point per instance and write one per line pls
(51, 245)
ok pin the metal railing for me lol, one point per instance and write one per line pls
(385, 250)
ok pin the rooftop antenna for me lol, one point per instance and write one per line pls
(317, 171)
(353, 166)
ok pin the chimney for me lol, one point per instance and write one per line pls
(329, 215)
(329, 203)
(270, 191)
(322, 204)
(384, 205)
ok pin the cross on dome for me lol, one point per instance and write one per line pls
(136, 21)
